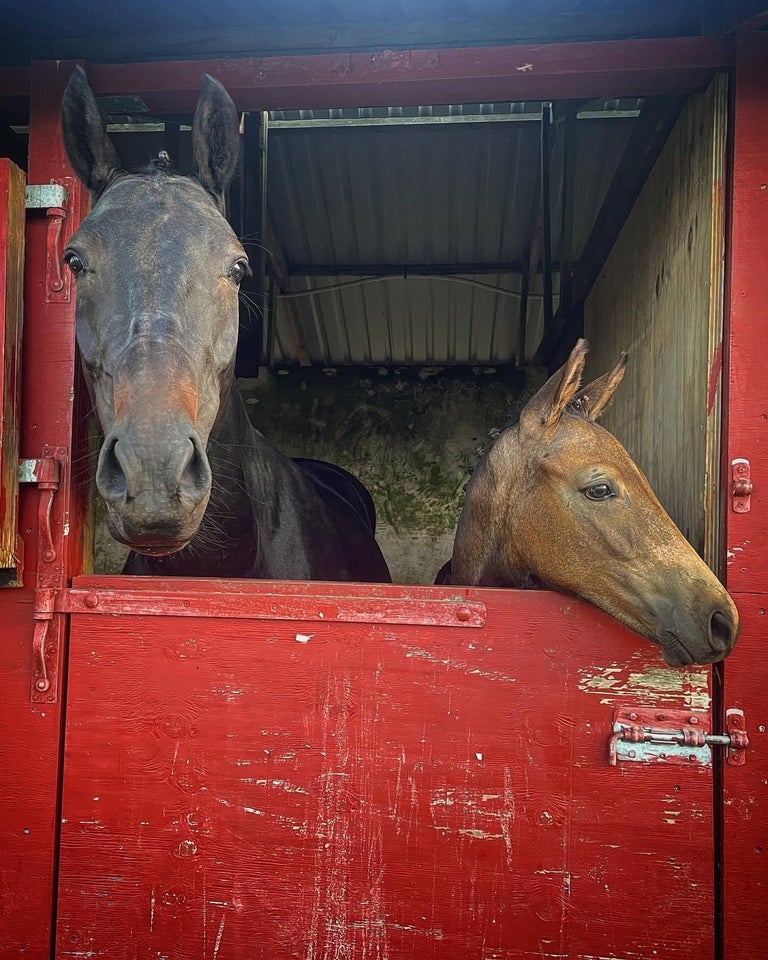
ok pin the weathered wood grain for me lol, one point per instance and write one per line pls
(745, 809)
(659, 297)
(324, 790)
(12, 184)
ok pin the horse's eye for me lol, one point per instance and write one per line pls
(74, 263)
(238, 270)
(599, 491)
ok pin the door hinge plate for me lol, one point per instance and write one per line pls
(46, 472)
(741, 490)
(41, 196)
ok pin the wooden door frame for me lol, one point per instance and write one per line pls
(30, 788)
(744, 794)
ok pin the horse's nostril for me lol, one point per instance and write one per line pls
(196, 473)
(720, 631)
(111, 476)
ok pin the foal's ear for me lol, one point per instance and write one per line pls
(215, 137)
(89, 149)
(595, 397)
(544, 409)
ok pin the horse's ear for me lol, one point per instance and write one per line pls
(596, 396)
(215, 137)
(544, 409)
(89, 149)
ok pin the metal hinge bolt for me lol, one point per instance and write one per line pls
(675, 736)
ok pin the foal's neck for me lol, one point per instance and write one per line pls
(485, 550)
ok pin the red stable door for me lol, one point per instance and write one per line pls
(334, 771)
(746, 672)
(49, 512)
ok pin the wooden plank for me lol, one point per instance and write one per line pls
(743, 15)
(745, 809)
(549, 23)
(31, 750)
(633, 68)
(358, 790)
(659, 297)
(12, 184)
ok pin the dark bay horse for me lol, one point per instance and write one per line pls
(557, 501)
(189, 484)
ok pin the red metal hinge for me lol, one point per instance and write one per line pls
(46, 473)
(742, 486)
(52, 197)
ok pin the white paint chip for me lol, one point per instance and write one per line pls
(304, 637)
(479, 756)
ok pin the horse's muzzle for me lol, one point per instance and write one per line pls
(156, 490)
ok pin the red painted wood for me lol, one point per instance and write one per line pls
(29, 772)
(288, 604)
(377, 790)
(485, 74)
(746, 673)
(748, 347)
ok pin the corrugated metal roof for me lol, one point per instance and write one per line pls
(415, 195)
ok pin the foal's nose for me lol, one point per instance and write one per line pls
(723, 631)
(157, 470)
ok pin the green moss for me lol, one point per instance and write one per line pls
(411, 436)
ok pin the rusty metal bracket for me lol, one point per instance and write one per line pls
(46, 473)
(53, 198)
(647, 735)
(264, 606)
(742, 485)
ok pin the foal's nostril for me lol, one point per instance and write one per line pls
(720, 631)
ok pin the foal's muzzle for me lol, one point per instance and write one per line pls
(686, 642)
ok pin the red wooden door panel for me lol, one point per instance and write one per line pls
(272, 788)
(746, 673)
(31, 722)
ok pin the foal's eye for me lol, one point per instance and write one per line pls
(238, 270)
(74, 263)
(599, 491)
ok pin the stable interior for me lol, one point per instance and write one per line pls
(409, 292)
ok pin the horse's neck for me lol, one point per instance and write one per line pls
(484, 549)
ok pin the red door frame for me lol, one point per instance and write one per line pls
(745, 811)
(32, 729)
(29, 789)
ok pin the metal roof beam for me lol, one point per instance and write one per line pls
(646, 142)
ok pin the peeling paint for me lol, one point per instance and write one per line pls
(688, 687)
(465, 668)
(219, 935)
(479, 834)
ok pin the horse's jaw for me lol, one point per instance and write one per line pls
(155, 539)
(157, 551)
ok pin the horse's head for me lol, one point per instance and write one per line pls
(558, 500)
(157, 268)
